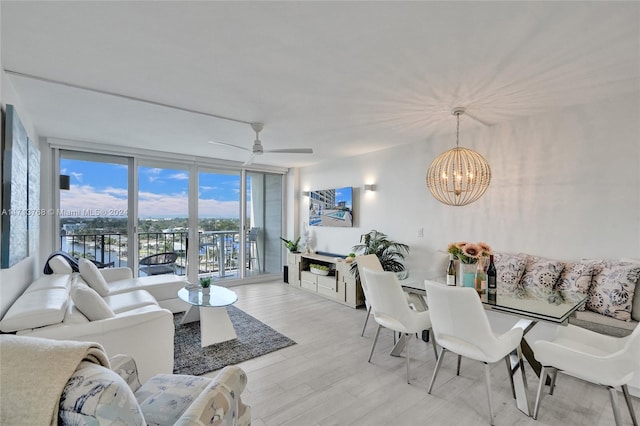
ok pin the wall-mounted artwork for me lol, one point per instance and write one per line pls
(331, 207)
(15, 190)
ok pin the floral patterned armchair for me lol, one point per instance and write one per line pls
(98, 395)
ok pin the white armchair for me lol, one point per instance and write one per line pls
(593, 357)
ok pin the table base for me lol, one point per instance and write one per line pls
(215, 324)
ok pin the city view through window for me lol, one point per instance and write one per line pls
(94, 217)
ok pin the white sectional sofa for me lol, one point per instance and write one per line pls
(129, 315)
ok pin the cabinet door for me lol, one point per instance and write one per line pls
(308, 281)
(293, 261)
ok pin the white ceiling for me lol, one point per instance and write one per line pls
(343, 78)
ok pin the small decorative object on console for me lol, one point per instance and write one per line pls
(319, 269)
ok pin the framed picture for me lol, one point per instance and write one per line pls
(15, 190)
(331, 207)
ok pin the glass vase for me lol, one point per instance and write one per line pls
(466, 274)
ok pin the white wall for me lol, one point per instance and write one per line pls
(14, 280)
(564, 185)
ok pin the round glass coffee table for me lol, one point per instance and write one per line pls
(209, 309)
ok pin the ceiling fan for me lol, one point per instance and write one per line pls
(257, 148)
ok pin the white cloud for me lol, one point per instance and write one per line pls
(180, 176)
(77, 176)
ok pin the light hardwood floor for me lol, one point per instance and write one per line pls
(325, 379)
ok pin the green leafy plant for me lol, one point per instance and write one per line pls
(205, 282)
(318, 266)
(390, 253)
(292, 246)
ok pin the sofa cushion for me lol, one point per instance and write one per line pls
(92, 276)
(89, 302)
(510, 268)
(635, 310)
(130, 300)
(48, 282)
(59, 265)
(164, 397)
(44, 305)
(540, 275)
(575, 278)
(161, 287)
(612, 288)
(97, 395)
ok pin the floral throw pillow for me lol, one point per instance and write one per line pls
(612, 289)
(509, 268)
(574, 280)
(540, 276)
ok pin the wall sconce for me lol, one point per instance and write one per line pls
(371, 188)
(65, 182)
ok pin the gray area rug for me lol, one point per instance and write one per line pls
(254, 339)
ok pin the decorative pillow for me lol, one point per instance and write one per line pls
(510, 268)
(635, 310)
(91, 274)
(612, 289)
(575, 278)
(96, 395)
(90, 303)
(59, 265)
(540, 276)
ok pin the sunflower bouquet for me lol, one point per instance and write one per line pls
(469, 253)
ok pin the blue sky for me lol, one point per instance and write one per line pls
(162, 192)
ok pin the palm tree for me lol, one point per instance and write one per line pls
(390, 253)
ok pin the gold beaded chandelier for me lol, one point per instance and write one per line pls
(459, 176)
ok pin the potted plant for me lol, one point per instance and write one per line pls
(390, 253)
(205, 283)
(292, 246)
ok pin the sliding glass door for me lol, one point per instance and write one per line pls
(263, 221)
(187, 218)
(93, 210)
(163, 216)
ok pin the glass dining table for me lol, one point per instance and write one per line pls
(551, 308)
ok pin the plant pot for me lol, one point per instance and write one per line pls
(206, 290)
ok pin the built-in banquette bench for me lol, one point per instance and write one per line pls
(124, 314)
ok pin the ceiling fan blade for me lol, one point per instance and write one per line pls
(249, 160)
(229, 145)
(291, 151)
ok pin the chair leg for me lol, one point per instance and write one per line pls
(625, 391)
(366, 320)
(544, 372)
(433, 343)
(458, 368)
(510, 373)
(407, 348)
(374, 342)
(613, 394)
(435, 370)
(487, 372)
(554, 374)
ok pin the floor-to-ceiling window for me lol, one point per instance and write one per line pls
(163, 218)
(219, 223)
(93, 210)
(263, 223)
(170, 216)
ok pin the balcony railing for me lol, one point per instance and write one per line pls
(218, 250)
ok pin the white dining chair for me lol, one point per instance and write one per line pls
(460, 325)
(391, 310)
(372, 262)
(593, 357)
